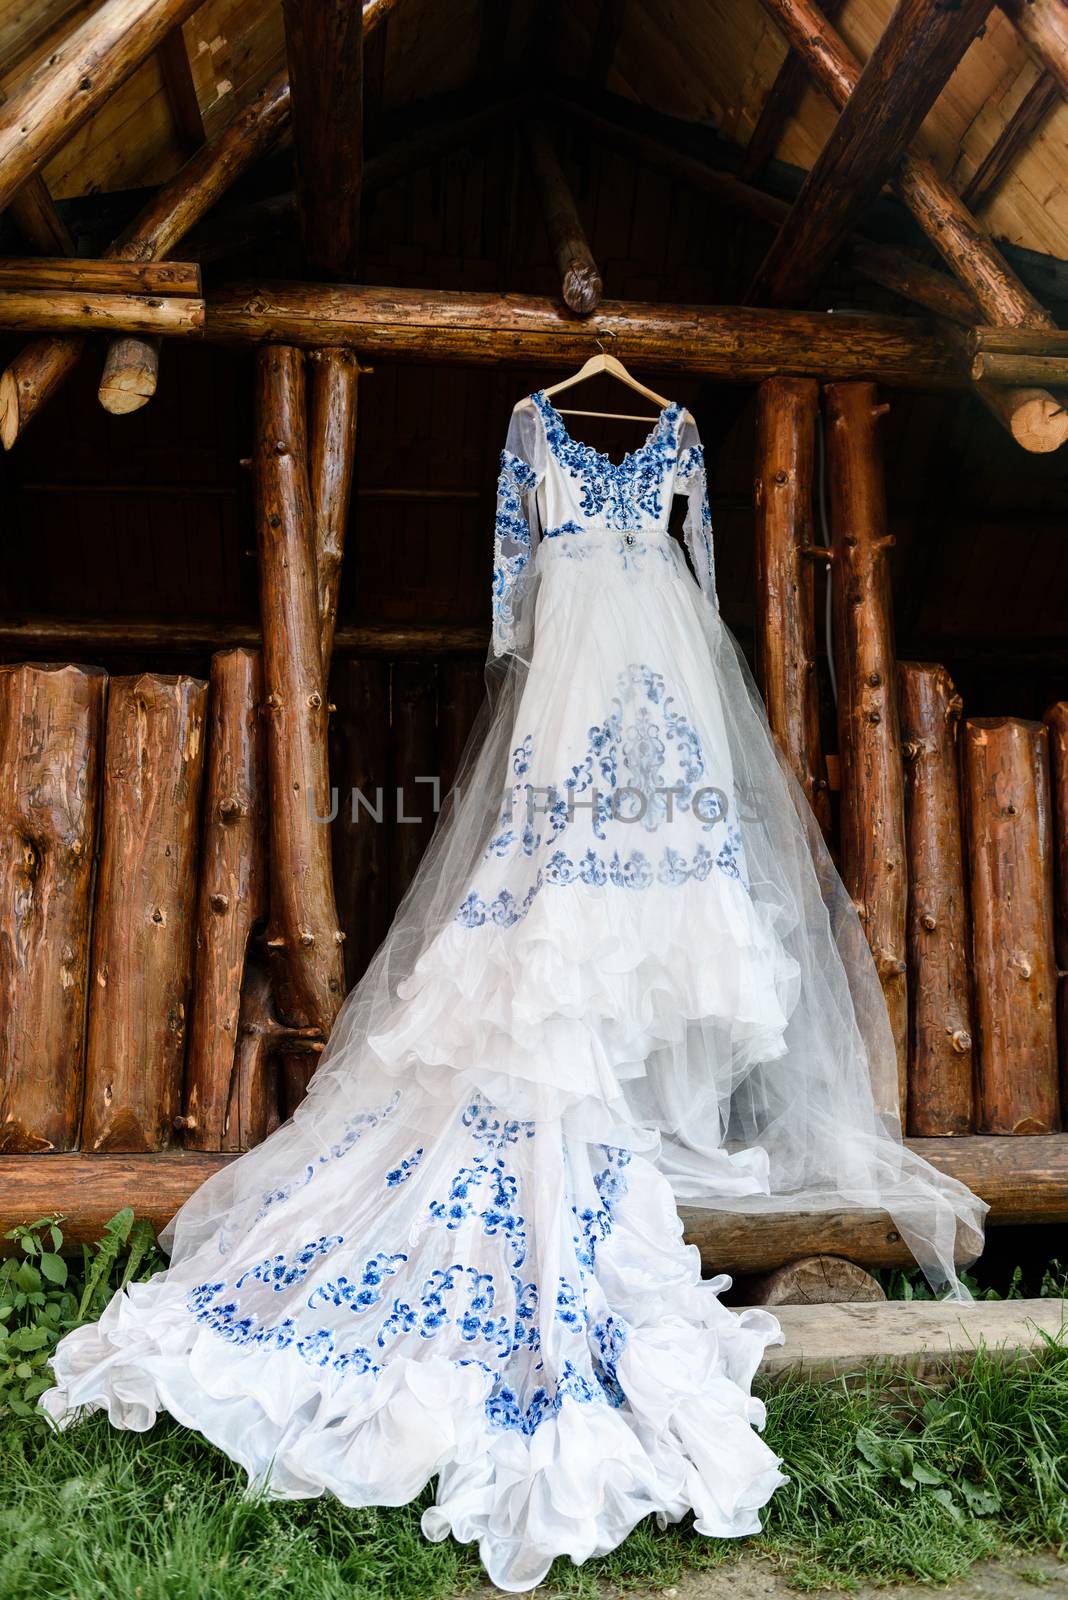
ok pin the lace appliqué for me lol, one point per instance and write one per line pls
(511, 547)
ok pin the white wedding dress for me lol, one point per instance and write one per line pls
(626, 975)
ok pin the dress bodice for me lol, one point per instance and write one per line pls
(553, 486)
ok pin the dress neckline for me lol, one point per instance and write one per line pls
(670, 411)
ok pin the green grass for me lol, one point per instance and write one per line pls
(889, 1479)
(892, 1480)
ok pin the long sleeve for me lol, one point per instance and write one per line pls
(516, 529)
(691, 481)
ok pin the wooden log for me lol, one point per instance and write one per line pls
(780, 104)
(941, 1073)
(786, 641)
(39, 369)
(61, 310)
(1024, 1181)
(75, 79)
(580, 282)
(131, 371)
(1043, 27)
(995, 366)
(84, 276)
(34, 213)
(254, 1107)
(1037, 422)
(1007, 810)
(1021, 127)
(901, 273)
(1056, 721)
(335, 376)
(359, 766)
(413, 705)
(872, 810)
(304, 933)
(51, 726)
(917, 53)
(812, 1281)
(740, 344)
(126, 637)
(172, 57)
(232, 894)
(324, 49)
(143, 916)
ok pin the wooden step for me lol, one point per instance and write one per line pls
(923, 1337)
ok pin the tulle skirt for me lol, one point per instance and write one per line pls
(626, 974)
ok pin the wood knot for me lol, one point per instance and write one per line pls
(875, 679)
(782, 477)
(219, 903)
(929, 921)
(339, 936)
(280, 447)
(912, 749)
(229, 809)
(315, 700)
(875, 716)
(307, 939)
(961, 1040)
(1021, 966)
(274, 700)
(157, 915)
(275, 520)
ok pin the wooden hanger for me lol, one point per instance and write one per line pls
(603, 362)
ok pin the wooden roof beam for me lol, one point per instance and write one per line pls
(178, 86)
(74, 81)
(913, 60)
(780, 104)
(736, 344)
(1036, 419)
(1043, 27)
(581, 284)
(1036, 104)
(886, 265)
(38, 369)
(324, 49)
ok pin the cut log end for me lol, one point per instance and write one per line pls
(131, 370)
(582, 288)
(813, 1280)
(1039, 421)
(9, 410)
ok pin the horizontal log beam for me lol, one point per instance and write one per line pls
(51, 636)
(1024, 1181)
(737, 344)
(913, 60)
(67, 310)
(75, 79)
(1020, 368)
(100, 276)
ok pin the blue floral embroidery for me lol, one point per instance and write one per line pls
(511, 546)
(619, 493)
(281, 1274)
(398, 1175)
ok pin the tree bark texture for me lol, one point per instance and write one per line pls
(51, 736)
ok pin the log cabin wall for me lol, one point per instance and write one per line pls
(145, 523)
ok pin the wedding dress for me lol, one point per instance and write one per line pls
(626, 975)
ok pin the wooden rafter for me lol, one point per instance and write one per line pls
(580, 281)
(178, 86)
(1025, 121)
(884, 264)
(81, 73)
(1043, 27)
(1037, 420)
(914, 58)
(780, 104)
(324, 49)
(39, 369)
